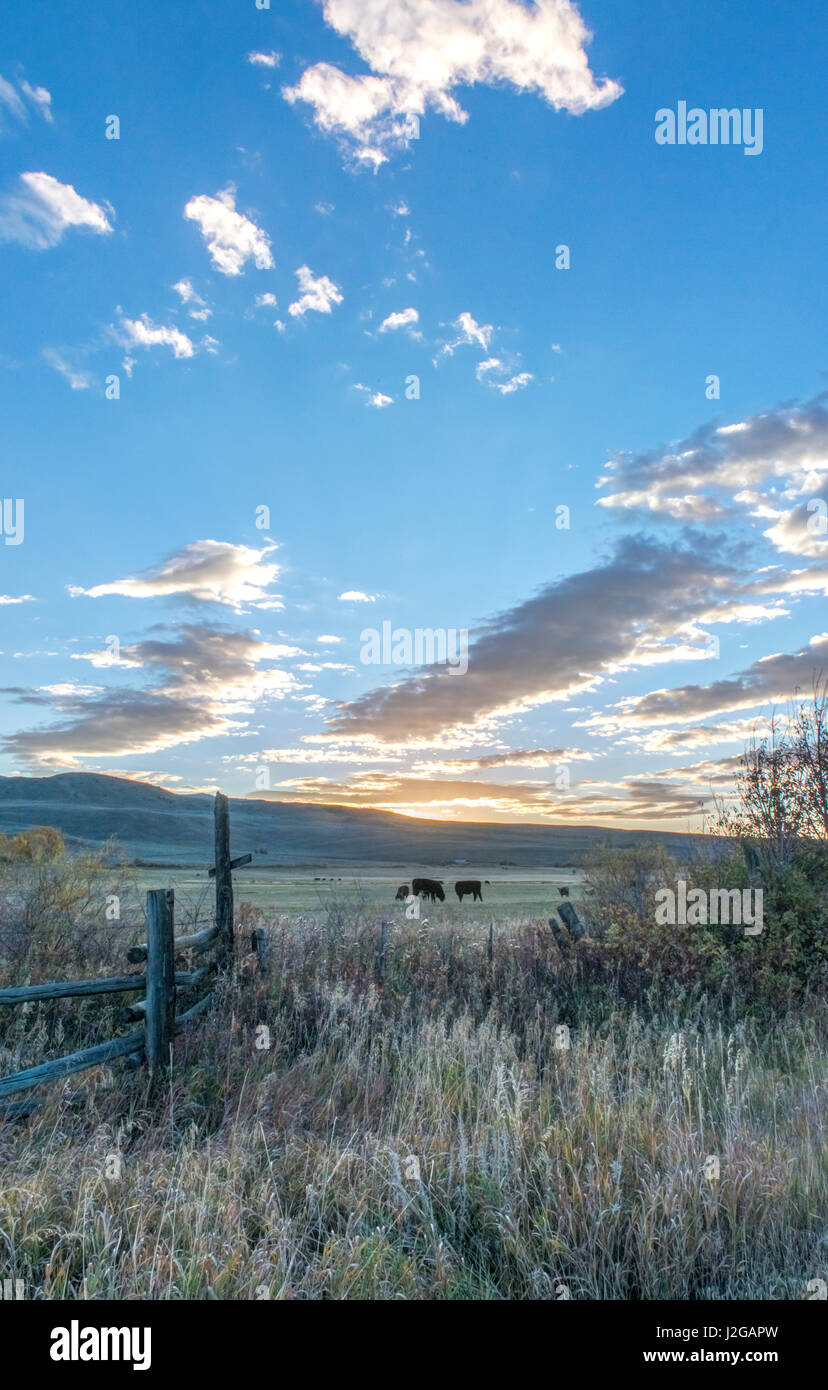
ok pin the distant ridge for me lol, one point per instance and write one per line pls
(163, 828)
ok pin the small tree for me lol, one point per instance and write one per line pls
(810, 744)
(771, 786)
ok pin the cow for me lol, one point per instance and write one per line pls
(469, 885)
(430, 888)
(402, 893)
(564, 892)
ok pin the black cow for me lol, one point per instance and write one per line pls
(402, 893)
(430, 888)
(469, 885)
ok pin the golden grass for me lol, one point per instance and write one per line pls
(425, 1138)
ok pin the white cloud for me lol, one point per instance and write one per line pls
(212, 571)
(469, 331)
(403, 318)
(197, 307)
(232, 239)
(375, 398)
(317, 294)
(494, 367)
(420, 50)
(78, 380)
(143, 333)
(264, 60)
(515, 383)
(38, 216)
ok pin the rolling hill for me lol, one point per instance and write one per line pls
(155, 826)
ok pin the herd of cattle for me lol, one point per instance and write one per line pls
(431, 889)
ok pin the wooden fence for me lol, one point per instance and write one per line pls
(160, 983)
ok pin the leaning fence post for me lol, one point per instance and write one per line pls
(160, 1006)
(224, 874)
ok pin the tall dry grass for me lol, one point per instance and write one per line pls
(325, 1135)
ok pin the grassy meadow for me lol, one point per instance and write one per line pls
(535, 1126)
(512, 895)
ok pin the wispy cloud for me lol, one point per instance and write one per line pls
(640, 608)
(78, 380)
(206, 680)
(41, 213)
(377, 399)
(469, 333)
(12, 105)
(750, 467)
(197, 308)
(208, 571)
(270, 59)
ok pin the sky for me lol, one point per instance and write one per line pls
(325, 325)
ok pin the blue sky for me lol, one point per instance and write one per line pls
(270, 155)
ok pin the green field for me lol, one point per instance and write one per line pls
(516, 896)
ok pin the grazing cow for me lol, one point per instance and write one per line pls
(564, 892)
(402, 893)
(431, 888)
(469, 885)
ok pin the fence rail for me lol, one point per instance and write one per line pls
(160, 983)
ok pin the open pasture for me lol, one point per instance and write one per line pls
(512, 896)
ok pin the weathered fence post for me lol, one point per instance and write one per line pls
(383, 938)
(160, 1007)
(487, 991)
(224, 874)
(260, 946)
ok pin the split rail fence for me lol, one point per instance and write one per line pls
(160, 983)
